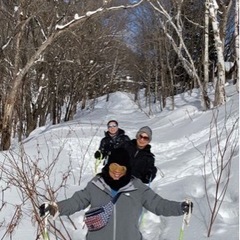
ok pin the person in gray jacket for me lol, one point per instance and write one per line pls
(116, 178)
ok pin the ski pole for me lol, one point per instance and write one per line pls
(161, 172)
(142, 213)
(186, 219)
(45, 234)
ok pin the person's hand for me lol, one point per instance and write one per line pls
(149, 176)
(98, 154)
(48, 208)
(187, 206)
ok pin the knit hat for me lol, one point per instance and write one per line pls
(146, 130)
(121, 157)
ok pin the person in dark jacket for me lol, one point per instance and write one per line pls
(141, 158)
(113, 139)
(134, 195)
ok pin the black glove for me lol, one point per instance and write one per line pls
(150, 175)
(98, 154)
(46, 208)
(185, 207)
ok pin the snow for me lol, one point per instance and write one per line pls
(228, 66)
(180, 143)
(90, 13)
(77, 18)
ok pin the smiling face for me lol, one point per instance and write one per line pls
(116, 171)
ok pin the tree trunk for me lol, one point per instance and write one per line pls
(11, 98)
(220, 96)
(237, 44)
(206, 52)
(17, 81)
(181, 49)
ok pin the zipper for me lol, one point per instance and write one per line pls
(136, 153)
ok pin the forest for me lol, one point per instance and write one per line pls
(58, 54)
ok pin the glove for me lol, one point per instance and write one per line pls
(48, 208)
(186, 205)
(98, 154)
(150, 175)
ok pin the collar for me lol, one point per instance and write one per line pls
(100, 183)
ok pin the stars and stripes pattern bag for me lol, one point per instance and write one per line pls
(97, 218)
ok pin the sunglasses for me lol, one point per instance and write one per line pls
(112, 126)
(145, 138)
(114, 167)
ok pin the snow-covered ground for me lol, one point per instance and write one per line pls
(184, 143)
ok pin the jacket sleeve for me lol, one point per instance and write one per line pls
(126, 138)
(150, 171)
(79, 201)
(104, 147)
(160, 206)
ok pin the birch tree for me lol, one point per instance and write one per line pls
(179, 45)
(220, 96)
(206, 52)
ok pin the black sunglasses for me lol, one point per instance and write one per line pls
(143, 137)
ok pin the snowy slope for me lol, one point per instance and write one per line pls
(180, 140)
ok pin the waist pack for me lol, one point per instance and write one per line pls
(98, 217)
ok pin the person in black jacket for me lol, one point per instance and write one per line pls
(114, 138)
(141, 157)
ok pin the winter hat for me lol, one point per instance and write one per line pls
(121, 157)
(146, 130)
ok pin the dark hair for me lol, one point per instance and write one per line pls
(112, 121)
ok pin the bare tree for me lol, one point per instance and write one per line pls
(217, 162)
(220, 96)
(53, 30)
(220, 165)
(179, 45)
(35, 179)
(54, 57)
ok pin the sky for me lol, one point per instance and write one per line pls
(186, 143)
